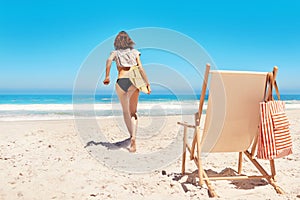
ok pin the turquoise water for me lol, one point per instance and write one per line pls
(23, 107)
(67, 99)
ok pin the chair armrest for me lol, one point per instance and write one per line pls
(185, 124)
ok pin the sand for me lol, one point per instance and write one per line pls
(69, 159)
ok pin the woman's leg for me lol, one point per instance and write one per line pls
(123, 98)
(133, 94)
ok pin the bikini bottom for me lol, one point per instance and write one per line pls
(124, 83)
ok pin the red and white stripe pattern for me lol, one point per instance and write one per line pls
(274, 140)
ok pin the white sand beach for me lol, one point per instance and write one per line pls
(51, 160)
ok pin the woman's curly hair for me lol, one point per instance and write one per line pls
(123, 41)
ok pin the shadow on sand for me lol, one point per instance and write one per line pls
(227, 172)
(111, 146)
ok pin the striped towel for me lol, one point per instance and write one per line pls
(275, 139)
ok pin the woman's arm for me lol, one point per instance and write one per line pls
(108, 66)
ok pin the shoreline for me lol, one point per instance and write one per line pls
(289, 111)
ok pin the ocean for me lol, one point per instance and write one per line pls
(48, 107)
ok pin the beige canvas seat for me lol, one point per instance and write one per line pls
(231, 123)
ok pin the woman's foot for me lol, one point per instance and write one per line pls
(132, 146)
(134, 123)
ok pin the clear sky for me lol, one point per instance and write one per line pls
(44, 43)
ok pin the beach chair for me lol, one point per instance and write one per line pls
(231, 123)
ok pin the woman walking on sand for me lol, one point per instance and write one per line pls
(125, 57)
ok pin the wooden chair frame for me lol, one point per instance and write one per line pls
(196, 144)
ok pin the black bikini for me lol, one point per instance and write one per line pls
(124, 83)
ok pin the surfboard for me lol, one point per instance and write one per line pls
(137, 79)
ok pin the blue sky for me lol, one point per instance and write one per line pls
(44, 43)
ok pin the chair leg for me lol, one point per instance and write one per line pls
(263, 172)
(240, 163)
(193, 146)
(273, 171)
(200, 168)
(211, 191)
(196, 138)
(184, 151)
